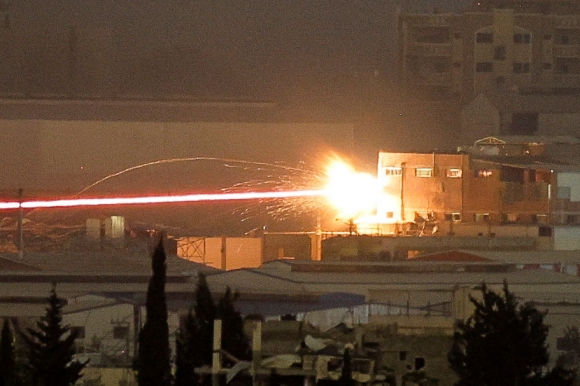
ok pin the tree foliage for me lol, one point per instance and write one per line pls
(153, 362)
(8, 375)
(502, 343)
(234, 340)
(51, 348)
(194, 343)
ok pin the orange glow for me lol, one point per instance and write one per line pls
(352, 193)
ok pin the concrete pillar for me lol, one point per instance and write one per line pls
(216, 362)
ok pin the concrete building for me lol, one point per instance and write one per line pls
(494, 183)
(513, 114)
(506, 46)
(503, 67)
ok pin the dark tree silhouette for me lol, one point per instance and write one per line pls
(8, 375)
(194, 342)
(153, 362)
(205, 313)
(234, 340)
(501, 343)
(346, 372)
(188, 352)
(51, 348)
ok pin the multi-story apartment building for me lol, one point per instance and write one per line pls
(497, 46)
(493, 183)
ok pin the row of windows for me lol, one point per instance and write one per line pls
(428, 172)
(487, 37)
(525, 38)
(508, 218)
(505, 217)
(518, 68)
(524, 68)
(423, 172)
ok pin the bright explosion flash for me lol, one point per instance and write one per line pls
(352, 193)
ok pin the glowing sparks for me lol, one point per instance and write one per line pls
(285, 191)
(78, 202)
(352, 193)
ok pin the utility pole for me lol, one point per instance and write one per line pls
(20, 225)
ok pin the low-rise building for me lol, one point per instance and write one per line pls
(497, 181)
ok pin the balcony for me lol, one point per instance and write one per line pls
(566, 51)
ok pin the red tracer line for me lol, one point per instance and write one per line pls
(79, 202)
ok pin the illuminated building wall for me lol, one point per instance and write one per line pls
(456, 189)
(420, 184)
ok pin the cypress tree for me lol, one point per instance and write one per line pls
(153, 362)
(234, 341)
(51, 348)
(194, 342)
(188, 353)
(7, 356)
(205, 313)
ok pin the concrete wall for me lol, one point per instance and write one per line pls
(238, 252)
(566, 238)
(71, 154)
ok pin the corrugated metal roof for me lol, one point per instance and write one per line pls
(97, 262)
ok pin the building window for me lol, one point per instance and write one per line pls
(452, 217)
(457, 35)
(391, 171)
(547, 37)
(424, 172)
(481, 217)
(457, 64)
(521, 68)
(522, 38)
(454, 173)
(483, 173)
(120, 332)
(545, 231)
(540, 219)
(79, 331)
(564, 39)
(389, 214)
(499, 53)
(484, 67)
(484, 37)
(509, 218)
(547, 66)
(564, 192)
(524, 123)
(571, 219)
